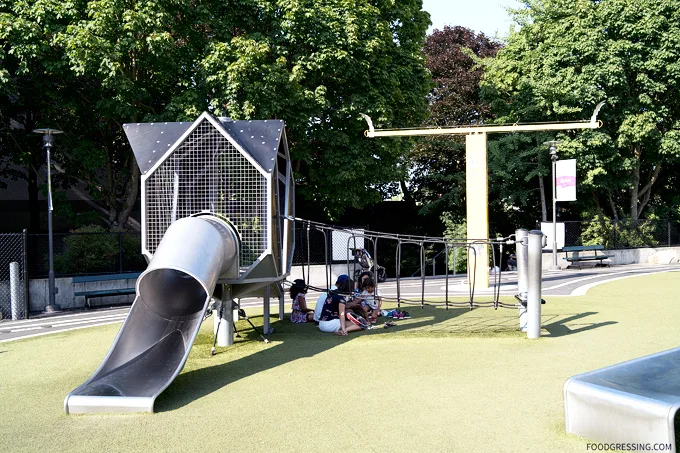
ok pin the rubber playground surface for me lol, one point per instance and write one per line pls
(455, 380)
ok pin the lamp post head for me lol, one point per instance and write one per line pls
(553, 149)
(48, 135)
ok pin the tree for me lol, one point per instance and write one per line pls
(318, 65)
(438, 164)
(103, 63)
(568, 56)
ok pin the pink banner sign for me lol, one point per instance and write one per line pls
(565, 180)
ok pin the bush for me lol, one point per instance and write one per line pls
(93, 250)
(620, 233)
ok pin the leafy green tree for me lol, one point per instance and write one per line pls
(88, 67)
(569, 55)
(318, 65)
(438, 163)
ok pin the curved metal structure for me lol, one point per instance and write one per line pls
(172, 297)
(217, 208)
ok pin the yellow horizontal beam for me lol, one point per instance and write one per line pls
(594, 123)
(483, 129)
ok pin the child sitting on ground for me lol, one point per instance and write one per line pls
(370, 300)
(300, 311)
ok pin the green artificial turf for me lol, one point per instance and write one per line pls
(453, 380)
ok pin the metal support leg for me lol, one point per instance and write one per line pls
(224, 318)
(282, 301)
(267, 309)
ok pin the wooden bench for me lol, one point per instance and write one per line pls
(576, 256)
(104, 292)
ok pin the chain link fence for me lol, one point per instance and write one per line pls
(13, 281)
(622, 234)
(85, 254)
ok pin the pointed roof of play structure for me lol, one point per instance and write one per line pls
(153, 142)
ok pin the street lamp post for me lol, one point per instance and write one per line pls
(48, 140)
(553, 157)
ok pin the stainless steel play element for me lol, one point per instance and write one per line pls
(522, 256)
(217, 209)
(534, 268)
(477, 168)
(238, 171)
(154, 341)
(632, 402)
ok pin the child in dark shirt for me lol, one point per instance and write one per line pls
(332, 317)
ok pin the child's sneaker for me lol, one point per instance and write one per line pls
(406, 315)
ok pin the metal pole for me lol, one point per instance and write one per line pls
(422, 275)
(223, 325)
(554, 209)
(27, 298)
(521, 247)
(267, 307)
(553, 157)
(48, 140)
(446, 274)
(16, 301)
(50, 207)
(535, 264)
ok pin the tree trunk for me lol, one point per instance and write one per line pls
(131, 194)
(407, 193)
(634, 191)
(612, 205)
(646, 191)
(544, 208)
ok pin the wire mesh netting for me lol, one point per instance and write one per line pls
(12, 276)
(206, 173)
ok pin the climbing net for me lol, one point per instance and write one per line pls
(358, 249)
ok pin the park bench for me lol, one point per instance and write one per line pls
(632, 402)
(576, 256)
(86, 284)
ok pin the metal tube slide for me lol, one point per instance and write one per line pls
(154, 342)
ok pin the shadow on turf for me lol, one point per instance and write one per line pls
(560, 327)
(296, 341)
(291, 342)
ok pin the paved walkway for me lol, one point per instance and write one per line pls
(555, 283)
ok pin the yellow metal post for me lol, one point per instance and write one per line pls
(477, 196)
(476, 175)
